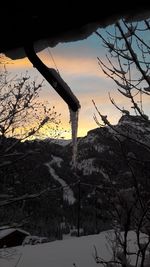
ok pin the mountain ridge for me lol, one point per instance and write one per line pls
(103, 156)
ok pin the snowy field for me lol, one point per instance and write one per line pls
(75, 252)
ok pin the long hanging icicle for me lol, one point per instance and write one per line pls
(74, 128)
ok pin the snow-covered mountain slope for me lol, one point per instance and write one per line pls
(100, 155)
(103, 149)
(68, 194)
(105, 154)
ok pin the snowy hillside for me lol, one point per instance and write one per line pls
(77, 252)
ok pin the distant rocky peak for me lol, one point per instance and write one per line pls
(133, 119)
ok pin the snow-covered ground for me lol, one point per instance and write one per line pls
(67, 192)
(76, 252)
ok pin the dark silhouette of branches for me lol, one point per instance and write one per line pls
(127, 64)
(130, 68)
(22, 115)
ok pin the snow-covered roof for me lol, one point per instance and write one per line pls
(38, 26)
(7, 231)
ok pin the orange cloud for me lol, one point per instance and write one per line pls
(72, 65)
(19, 63)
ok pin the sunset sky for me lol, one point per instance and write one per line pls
(78, 65)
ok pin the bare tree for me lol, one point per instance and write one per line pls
(130, 70)
(22, 116)
(128, 65)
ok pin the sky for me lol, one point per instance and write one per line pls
(78, 66)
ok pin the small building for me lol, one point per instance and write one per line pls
(12, 237)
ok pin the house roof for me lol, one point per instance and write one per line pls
(59, 21)
(29, 28)
(5, 232)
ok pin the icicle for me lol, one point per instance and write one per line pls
(74, 128)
